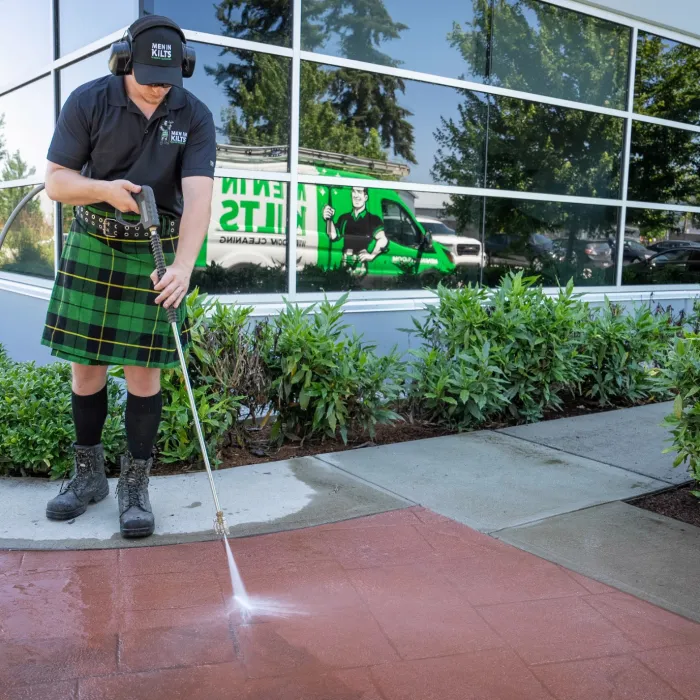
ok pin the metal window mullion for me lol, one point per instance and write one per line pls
(626, 149)
(294, 152)
(233, 43)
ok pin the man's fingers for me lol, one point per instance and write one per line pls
(168, 291)
(164, 281)
(131, 186)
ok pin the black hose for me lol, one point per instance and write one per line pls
(17, 210)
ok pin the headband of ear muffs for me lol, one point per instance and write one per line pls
(120, 55)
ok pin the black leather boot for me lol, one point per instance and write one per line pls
(87, 485)
(135, 514)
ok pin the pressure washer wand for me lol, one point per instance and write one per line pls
(150, 221)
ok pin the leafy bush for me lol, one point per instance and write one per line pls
(532, 340)
(682, 375)
(623, 352)
(325, 382)
(36, 417)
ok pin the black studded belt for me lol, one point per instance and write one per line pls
(104, 224)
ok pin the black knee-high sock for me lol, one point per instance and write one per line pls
(142, 421)
(89, 415)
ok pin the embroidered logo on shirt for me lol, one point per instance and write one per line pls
(168, 135)
(162, 52)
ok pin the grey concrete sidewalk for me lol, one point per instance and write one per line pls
(554, 489)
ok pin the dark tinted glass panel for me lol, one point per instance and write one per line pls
(268, 21)
(446, 38)
(536, 47)
(555, 241)
(541, 48)
(26, 38)
(85, 21)
(667, 79)
(664, 164)
(28, 248)
(535, 147)
(84, 71)
(662, 247)
(248, 94)
(26, 126)
(352, 238)
(393, 128)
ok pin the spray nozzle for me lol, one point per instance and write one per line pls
(220, 524)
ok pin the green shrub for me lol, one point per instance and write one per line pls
(623, 352)
(37, 425)
(533, 341)
(682, 375)
(324, 381)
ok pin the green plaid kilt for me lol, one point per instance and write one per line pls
(102, 309)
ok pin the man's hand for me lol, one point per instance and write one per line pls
(118, 194)
(174, 285)
(328, 212)
(365, 256)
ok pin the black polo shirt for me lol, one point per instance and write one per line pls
(358, 231)
(105, 136)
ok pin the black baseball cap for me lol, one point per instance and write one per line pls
(157, 52)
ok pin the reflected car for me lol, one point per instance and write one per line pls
(633, 252)
(686, 258)
(535, 251)
(663, 246)
(462, 249)
(593, 254)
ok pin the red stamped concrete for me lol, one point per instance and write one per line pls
(406, 605)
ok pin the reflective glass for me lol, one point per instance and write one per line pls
(28, 248)
(554, 241)
(26, 127)
(531, 46)
(267, 21)
(534, 147)
(391, 128)
(352, 238)
(245, 250)
(667, 79)
(664, 164)
(19, 21)
(662, 247)
(418, 132)
(83, 21)
(82, 72)
(248, 94)
(549, 50)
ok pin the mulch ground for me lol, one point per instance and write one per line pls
(678, 503)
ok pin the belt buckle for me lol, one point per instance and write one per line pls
(104, 231)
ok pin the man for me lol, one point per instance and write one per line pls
(360, 230)
(115, 134)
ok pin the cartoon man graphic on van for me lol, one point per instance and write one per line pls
(362, 233)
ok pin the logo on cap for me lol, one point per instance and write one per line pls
(162, 52)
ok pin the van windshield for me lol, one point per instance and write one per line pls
(437, 227)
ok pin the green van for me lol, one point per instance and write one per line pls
(372, 231)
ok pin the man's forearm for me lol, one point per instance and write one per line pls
(70, 187)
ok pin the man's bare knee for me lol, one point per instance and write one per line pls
(88, 379)
(142, 381)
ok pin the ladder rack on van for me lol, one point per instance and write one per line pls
(257, 157)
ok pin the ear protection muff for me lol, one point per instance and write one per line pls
(120, 55)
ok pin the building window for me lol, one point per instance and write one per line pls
(26, 126)
(664, 164)
(83, 21)
(268, 22)
(666, 80)
(26, 37)
(29, 245)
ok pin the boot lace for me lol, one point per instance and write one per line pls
(131, 484)
(83, 472)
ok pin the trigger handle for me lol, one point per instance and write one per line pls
(148, 210)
